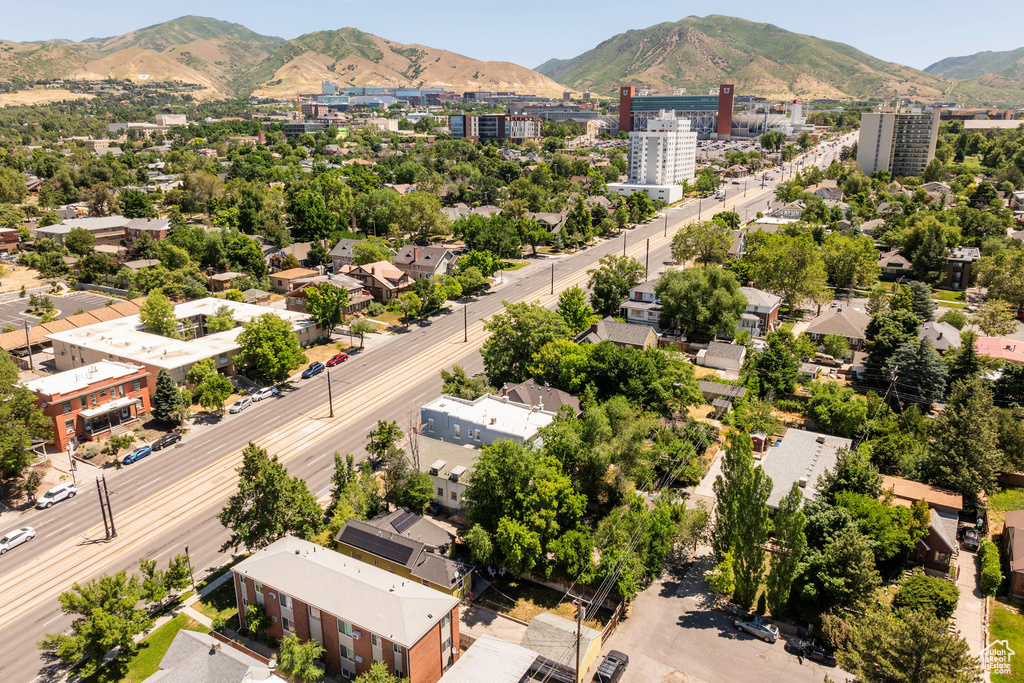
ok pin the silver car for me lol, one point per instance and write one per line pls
(240, 405)
(56, 494)
(765, 630)
(16, 538)
(265, 392)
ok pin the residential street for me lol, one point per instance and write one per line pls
(171, 498)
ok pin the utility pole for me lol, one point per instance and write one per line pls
(700, 203)
(666, 223)
(103, 509)
(71, 465)
(106, 492)
(579, 623)
(647, 267)
(330, 398)
(552, 277)
(465, 322)
(623, 244)
(28, 345)
(190, 574)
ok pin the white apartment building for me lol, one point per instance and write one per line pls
(899, 140)
(660, 157)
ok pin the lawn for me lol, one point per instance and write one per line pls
(523, 600)
(146, 661)
(1007, 623)
(220, 602)
(1007, 498)
(948, 295)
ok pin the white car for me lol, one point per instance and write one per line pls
(265, 392)
(240, 405)
(15, 538)
(57, 494)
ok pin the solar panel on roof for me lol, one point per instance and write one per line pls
(378, 545)
(403, 521)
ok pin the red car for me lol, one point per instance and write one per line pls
(337, 360)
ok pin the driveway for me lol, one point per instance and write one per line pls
(673, 635)
(971, 606)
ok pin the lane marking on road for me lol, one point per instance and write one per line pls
(138, 488)
(57, 531)
(44, 624)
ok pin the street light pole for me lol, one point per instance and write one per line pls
(110, 511)
(465, 323)
(647, 266)
(191, 575)
(623, 243)
(71, 465)
(330, 398)
(666, 223)
(552, 277)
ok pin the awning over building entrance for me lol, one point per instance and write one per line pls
(110, 407)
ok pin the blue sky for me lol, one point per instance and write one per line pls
(914, 33)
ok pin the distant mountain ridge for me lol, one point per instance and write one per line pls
(231, 60)
(698, 53)
(986, 66)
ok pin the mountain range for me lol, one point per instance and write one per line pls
(696, 53)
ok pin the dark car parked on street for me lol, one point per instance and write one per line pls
(313, 369)
(612, 668)
(811, 650)
(166, 440)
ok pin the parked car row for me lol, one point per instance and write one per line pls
(801, 647)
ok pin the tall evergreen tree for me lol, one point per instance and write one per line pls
(790, 542)
(923, 305)
(966, 452)
(920, 368)
(165, 398)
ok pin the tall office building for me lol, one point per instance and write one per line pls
(898, 140)
(660, 157)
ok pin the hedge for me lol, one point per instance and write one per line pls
(991, 572)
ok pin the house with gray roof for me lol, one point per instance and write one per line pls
(359, 612)
(943, 336)
(722, 356)
(620, 334)
(800, 457)
(449, 466)
(541, 396)
(846, 321)
(554, 639)
(642, 307)
(412, 525)
(761, 314)
(195, 657)
(938, 549)
(895, 265)
(423, 263)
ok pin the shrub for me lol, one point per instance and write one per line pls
(991, 573)
(936, 596)
(374, 308)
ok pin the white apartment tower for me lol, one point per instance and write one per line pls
(660, 157)
(899, 140)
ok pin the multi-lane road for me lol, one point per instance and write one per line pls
(170, 499)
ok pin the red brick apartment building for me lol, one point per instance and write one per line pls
(359, 613)
(89, 402)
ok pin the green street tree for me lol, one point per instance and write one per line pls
(326, 305)
(791, 267)
(458, 383)
(24, 423)
(966, 452)
(611, 281)
(269, 347)
(995, 318)
(741, 516)
(1003, 274)
(574, 309)
(841, 576)
(108, 613)
(221, 321)
(410, 306)
(360, 328)
(851, 260)
(377, 673)
(919, 365)
(213, 391)
(928, 593)
(298, 660)
(135, 204)
(318, 255)
(370, 250)
(157, 314)
(80, 241)
(268, 504)
(704, 241)
(773, 140)
(165, 398)
(887, 332)
(519, 546)
(778, 366)
(480, 545)
(925, 246)
(382, 439)
(923, 306)
(911, 647)
(835, 345)
(515, 336)
(788, 549)
(706, 302)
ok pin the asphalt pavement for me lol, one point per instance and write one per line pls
(205, 443)
(13, 312)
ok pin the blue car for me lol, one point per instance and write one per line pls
(313, 369)
(138, 454)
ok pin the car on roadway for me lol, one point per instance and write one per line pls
(312, 370)
(265, 392)
(13, 539)
(337, 359)
(759, 628)
(166, 440)
(240, 405)
(811, 650)
(56, 494)
(137, 454)
(612, 668)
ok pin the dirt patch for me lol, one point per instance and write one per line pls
(20, 276)
(320, 354)
(48, 96)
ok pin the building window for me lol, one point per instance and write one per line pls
(137, 385)
(120, 389)
(455, 496)
(259, 588)
(103, 393)
(69, 426)
(374, 640)
(286, 625)
(477, 437)
(446, 647)
(92, 399)
(313, 612)
(347, 653)
(66, 407)
(446, 620)
(345, 628)
(85, 403)
(285, 601)
(430, 424)
(458, 431)
(440, 492)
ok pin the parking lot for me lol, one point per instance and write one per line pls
(13, 312)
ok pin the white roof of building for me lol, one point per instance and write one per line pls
(491, 660)
(800, 456)
(399, 609)
(79, 378)
(496, 413)
(759, 297)
(90, 223)
(127, 337)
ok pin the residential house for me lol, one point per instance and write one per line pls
(300, 250)
(790, 210)
(846, 321)
(541, 396)
(283, 280)
(195, 657)
(826, 189)
(943, 336)
(958, 272)
(800, 457)
(619, 334)
(938, 549)
(221, 282)
(449, 466)
(1007, 350)
(411, 525)
(106, 229)
(91, 401)
(256, 296)
(9, 238)
(869, 227)
(762, 312)
(423, 263)
(720, 396)
(554, 639)
(643, 306)
(895, 266)
(1013, 547)
(358, 299)
(492, 660)
(359, 613)
(1017, 200)
(549, 220)
(487, 211)
(382, 280)
(722, 356)
(482, 421)
(157, 228)
(404, 556)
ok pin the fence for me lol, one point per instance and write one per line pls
(613, 623)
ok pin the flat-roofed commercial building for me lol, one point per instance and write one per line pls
(899, 140)
(126, 340)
